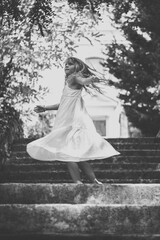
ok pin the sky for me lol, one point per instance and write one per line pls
(54, 80)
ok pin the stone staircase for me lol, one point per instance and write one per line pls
(39, 201)
(139, 162)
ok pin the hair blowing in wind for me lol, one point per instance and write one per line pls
(84, 70)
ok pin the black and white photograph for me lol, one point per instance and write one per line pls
(80, 119)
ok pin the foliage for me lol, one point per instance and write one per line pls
(19, 67)
(93, 5)
(42, 126)
(11, 129)
(137, 64)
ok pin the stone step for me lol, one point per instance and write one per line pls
(48, 166)
(115, 219)
(119, 146)
(111, 140)
(134, 146)
(36, 236)
(138, 175)
(126, 152)
(134, 140)
(108, 194)
(6, 179)
(116, 159)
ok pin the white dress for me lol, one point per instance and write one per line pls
(73, 137)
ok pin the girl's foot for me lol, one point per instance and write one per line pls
(97, 182)
(79, 182)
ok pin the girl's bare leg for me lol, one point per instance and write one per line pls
(74, 172)
(86, 167)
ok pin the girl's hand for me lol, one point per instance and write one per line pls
(39, 109)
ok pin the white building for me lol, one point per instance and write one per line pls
(108, 115)
(106, 110)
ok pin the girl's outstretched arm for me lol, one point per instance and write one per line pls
(86, 81)
(39, 109)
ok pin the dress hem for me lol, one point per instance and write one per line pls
(76, 159)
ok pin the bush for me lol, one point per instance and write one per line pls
(11, 129)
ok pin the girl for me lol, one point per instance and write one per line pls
(73, 139)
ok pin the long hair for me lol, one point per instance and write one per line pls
(86, 71)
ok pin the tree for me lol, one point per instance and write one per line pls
(137, 65)
(15, 63)
(35, 37)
